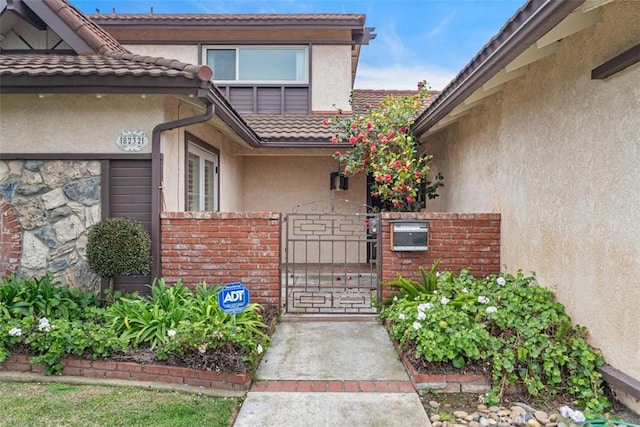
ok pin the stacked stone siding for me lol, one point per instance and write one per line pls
(55, 202)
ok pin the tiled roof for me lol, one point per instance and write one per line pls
(107, 58)
(309, 127)
(233, 19)
(98, 39)
(35, 65)
(290, 127)
(372, 97)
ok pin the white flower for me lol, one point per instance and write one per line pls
(438, 274)
(171, 333)
(44, 325)
(500, 281)
(566, 412)
(15, 332)
(425, 306)
(260, 349)
(578, 416)
(483, 300)
(491, 309)
(395, 298)
(417, 325)
(444, 300)
(435, 292)
(575, 415)
(465, 290)
(401, 316)
(421, 315)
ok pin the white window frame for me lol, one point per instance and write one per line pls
(203, 155)
(205, 49)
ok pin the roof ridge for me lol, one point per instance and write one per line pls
(203, 72)
(97, 38)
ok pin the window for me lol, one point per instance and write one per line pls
(258, 64)
(202, 179)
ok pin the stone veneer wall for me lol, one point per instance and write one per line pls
(55, 202)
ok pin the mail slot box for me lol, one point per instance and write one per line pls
(408, 235)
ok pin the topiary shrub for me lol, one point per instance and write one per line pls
(118, 246)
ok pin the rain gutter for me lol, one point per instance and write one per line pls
(156, 175)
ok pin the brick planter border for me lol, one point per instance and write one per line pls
(136, 372)
(447, 383)
(443, 383)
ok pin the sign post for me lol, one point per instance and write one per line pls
(233, 299)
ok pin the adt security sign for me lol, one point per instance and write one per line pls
(233, 298)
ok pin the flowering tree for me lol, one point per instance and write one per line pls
(384, 147)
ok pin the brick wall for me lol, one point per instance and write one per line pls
(245, 247)
(10, 239)
(224, 247)
(458, 240)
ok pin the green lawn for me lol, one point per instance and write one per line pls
(34, 404)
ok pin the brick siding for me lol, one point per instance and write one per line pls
(10, 239)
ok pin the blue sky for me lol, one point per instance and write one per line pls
(416, 39)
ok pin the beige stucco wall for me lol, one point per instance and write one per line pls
(330, 77)
(557, 154)
(280, 183)
(184, 53)
(74, 123)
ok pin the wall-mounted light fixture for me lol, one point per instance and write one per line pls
(338, 181)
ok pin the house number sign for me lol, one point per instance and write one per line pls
(132, 140)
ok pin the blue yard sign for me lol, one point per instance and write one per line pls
(233, 298)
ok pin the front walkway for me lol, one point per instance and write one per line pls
(331, 373)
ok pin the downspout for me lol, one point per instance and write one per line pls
(156, 175)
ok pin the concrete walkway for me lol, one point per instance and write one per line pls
(320, 373)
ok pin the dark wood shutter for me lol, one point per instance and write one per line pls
(130, 196)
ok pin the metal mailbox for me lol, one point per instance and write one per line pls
(409, 235)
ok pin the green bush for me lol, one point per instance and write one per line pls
(507, 321)
(118, 246)
(40, 297)
(176, 319)
(53, 322)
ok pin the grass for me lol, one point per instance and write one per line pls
(23, 404)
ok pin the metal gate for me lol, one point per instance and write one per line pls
(331, 262)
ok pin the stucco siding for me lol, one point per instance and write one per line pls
(74, 123)
(330, 78)
(557, 154)
(279, 183)
(185, 53)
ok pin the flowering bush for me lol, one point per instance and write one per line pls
(384, 147)
(508, 322)
(52, 322)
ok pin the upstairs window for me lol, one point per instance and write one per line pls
(258, 64)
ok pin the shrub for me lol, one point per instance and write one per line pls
(118, 246)
(507, 321)
(53, 322)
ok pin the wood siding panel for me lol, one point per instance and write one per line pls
(296, 100)
(242, 99)
(269, 100)
(130, 196)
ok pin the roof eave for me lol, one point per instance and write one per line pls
(529, 23)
